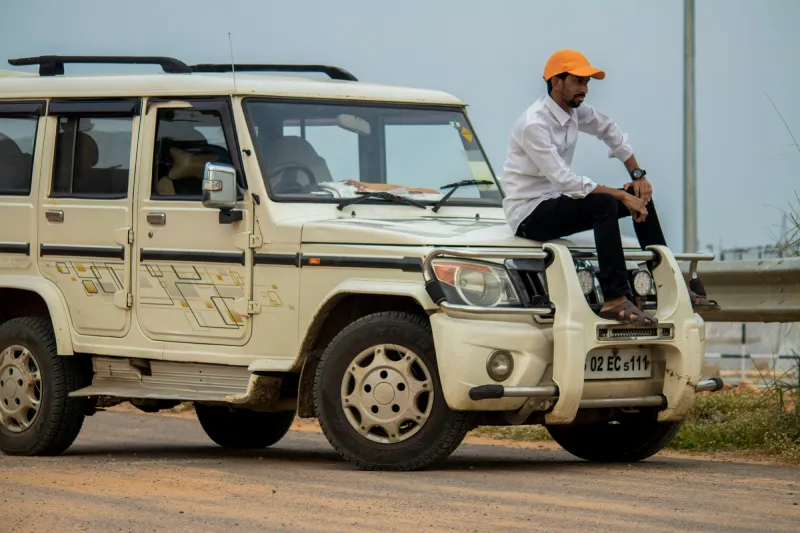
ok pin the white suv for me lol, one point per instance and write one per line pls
(270, 246)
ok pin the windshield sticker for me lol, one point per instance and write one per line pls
(466, 134)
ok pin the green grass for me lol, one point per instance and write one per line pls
(764, 423)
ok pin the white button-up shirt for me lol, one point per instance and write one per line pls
(540, 152)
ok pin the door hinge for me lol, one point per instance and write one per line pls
(256, 241)
(253, 307)
(129, 300)
(130, 236)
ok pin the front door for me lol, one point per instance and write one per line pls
(85, 209)
(194, 271)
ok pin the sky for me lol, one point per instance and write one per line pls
(491, 53)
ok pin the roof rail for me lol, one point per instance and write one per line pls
(54, 65)
(335, 73)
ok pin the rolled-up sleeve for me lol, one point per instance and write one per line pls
(595, 123)
(537, 144)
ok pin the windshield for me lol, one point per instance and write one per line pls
(330, 151)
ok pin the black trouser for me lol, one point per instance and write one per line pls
(563, 216)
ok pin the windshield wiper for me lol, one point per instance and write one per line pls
(389, 197)
(453, 187)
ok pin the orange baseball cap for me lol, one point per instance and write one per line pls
(572, 62)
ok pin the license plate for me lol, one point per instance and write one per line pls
(622, 365)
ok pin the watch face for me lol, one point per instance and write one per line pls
(638, 173)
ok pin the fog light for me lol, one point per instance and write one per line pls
(500, 365)
(586, 279)
(642, 283)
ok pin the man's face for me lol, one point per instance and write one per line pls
(573, 89)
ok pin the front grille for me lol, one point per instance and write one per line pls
(607, 333)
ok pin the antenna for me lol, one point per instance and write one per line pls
(233, 63)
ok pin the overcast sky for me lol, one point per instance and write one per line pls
(491, 54)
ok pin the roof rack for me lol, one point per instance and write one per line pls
(335, 73)
(54, 65)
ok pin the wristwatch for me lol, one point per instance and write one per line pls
(638, 173)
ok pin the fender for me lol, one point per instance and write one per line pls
(62, 326)
(411, 289)
(306, 361)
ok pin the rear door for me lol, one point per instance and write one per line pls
(85, 209)
(19, 131)
(194, 271)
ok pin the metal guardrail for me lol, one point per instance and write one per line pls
(766, 290)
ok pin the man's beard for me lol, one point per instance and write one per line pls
(576, 102)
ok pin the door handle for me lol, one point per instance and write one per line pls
(55, 215)
(156, 219)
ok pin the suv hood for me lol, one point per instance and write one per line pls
(432, 232)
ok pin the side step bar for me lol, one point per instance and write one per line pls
(488, 392)
(163, 380)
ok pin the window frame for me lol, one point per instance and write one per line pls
(221, 105)
(379, 157)
(94, 108)
(34, 109)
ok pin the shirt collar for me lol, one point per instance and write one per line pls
(561, 116)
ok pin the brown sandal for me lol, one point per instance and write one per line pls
(697, 295)
(638, 318)
(701, 303)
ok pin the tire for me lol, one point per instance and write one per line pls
(634, 438)
(363, 438)
(240, 429)
(57, 419)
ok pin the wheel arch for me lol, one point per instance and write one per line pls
(26, 296)
(344, 305)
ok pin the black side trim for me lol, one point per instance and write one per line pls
(192, 257)
(9, 248)
(117, 107)
(108, 252)
(277, 259)
(25, 108)
(406, 264)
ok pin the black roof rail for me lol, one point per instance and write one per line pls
(334, 73)
(54, 65)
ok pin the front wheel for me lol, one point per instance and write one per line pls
(631, 437)
(378, 396)
(242, 429)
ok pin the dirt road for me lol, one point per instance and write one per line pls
(136, 472)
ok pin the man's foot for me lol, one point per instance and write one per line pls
(701, 303)
(623, 310)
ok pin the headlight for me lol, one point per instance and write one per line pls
(477, 284)
(642, 283)
(586, 279)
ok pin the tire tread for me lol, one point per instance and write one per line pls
(454, 432)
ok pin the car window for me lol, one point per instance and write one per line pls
(17, 140)
(186, 139)
(92, 157)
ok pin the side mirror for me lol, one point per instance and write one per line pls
(219, 186)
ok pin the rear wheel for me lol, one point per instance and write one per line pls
(378, 396)
(37, 417)
(631, 437)
(242, 429)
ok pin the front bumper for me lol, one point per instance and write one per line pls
(550, 355)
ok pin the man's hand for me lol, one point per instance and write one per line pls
(641, 189)
(635, 205)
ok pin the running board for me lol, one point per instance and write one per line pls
(163, 380)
